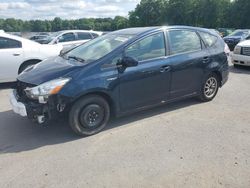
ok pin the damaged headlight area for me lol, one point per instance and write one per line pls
(43, 91)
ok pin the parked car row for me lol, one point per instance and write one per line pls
(237, 36)
(39, 37)
(17, 53)
(68, 38)
(225, 31)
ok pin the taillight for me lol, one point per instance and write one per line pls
(226, 49)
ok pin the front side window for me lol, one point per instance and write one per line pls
(148, 48)
(84, 36)
(209, 39)
(6, 43)
(183, 41)
(67, 37)
(98, 47)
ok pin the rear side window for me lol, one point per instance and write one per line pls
(84, 36)
(183, 41)
(148, 48)
(6, 43)
(208, 39)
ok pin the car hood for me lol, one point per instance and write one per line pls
(245, 43)
(233, 37)
(50, 50)
(49, 69)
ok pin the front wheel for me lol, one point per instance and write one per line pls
(209, 88)
(89, 115)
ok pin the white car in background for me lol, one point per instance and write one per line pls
(16, 54)
(241, 54)
(71, 38)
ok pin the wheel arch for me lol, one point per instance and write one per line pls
(27, 62)
(102, 94)
(219, 75)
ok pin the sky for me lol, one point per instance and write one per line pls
(66, 9)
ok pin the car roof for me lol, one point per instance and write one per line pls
(242, 30)
(145, 30)
(14, 37)
(91, 31)
(3, 34)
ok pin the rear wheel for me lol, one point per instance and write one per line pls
(209, 88)
(89, 115)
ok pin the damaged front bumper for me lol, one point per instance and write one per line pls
(36, 111)
(17, 107)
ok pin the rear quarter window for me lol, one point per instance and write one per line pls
(6, 43)
(184, 41)
(209, 39)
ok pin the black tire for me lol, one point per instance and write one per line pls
(209, 91)
(26, 65)
(89, 115)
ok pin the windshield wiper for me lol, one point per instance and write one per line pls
(76, 58)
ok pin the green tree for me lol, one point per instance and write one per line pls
(56, 24)
(239, 14)
(119, 22)
(148, 13)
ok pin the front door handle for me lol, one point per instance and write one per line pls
(206, 59)
(164, 69)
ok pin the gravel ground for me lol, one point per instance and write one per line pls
(183, 144)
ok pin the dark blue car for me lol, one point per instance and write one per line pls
(234, 38)
(120, 73)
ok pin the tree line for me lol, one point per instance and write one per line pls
(57, 24)
(202, 13)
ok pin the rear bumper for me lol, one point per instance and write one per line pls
(240, 59)
(224, 73)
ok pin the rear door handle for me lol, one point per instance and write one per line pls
(16, 54)
(206, 59)
(165, 69)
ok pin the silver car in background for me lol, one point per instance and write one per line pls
(71, 38)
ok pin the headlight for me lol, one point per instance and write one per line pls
(237, 50)
(46, 89)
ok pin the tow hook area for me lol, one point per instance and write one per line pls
(43, 111)
(60, 107)
(41, 119)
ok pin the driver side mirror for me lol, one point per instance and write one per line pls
(56, 41)
(128, 62)
(63, 51)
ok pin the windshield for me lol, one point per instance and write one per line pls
(239, 33)
(97, 48)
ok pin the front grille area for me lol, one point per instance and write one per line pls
(20, 87)
(246, 51)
